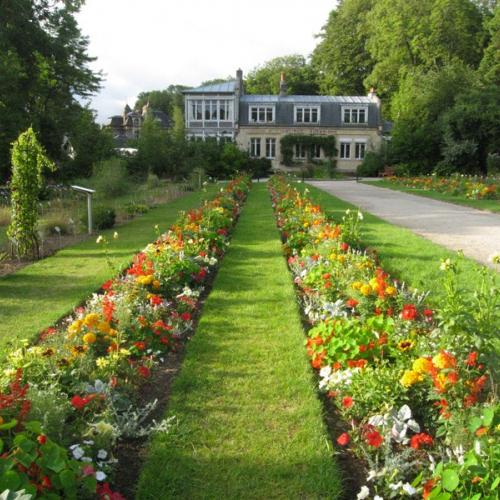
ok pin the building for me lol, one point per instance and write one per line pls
(258, 122)
(128, 125)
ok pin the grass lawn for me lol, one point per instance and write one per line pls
(249, 423)
(38, 295)
(405, 255)
(491, 205)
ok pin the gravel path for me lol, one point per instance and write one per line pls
(475, 232)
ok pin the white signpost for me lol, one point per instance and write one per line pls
(89, 193)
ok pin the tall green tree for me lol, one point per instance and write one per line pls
(44, 68)
(489, 68)
(341, 57)
(163, 100)
(300, 76)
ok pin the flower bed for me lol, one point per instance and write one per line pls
(411, 383)
(474, 188)
(67, 401)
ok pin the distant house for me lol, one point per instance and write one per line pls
(128, 125)
(258, 122)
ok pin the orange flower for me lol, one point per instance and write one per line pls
(444, 360)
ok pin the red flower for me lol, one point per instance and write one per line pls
(363, 348)
(344, 247)
(373, 438)
(352, 303)
(80, 403)
(105, 493)
(470, 400)
(164, 340)
(155, 300)
(472, 359)
(41, 439)
(428, 313)
(45, 482)
(337, 365)
(419, 440)
(347, 402)
(107, 285)
(327, 276)
(343, 439)
(144, 371)
(140, 345)
(409, 312)
(186, 316)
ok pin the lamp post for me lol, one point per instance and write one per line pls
(89, 193)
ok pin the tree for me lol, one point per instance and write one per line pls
(300, 76)
(471, 130)
(28, 162)
(489, 68)
(341, 57)
(44, 67)
(163, 100)
(418, 106)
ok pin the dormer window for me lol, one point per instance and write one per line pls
(307, 114)
(261, 114)
(355, 115)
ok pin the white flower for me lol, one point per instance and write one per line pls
(86, 459)
(396, 486)
(376, 497)
(360, 215)
(445, 265)
(364, 492)
(89, 442)
(477, 447)
(100, 476)
(100, 239)
(371, 475)
(115, 235)
(78, 452)
(409, 489)
(102, 454)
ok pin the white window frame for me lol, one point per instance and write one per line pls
(300, 151)
(195, 106)
(261, 112)
(211, 106)
(345, 144)
(357, 149)
(353, 115)
(315, 151)
(255, 147)
(227, 105)
(300, 111)
(271, 148)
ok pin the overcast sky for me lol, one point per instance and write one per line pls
(150, 44)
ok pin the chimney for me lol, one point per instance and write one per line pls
(283, 85)
(239, 82)
(374, 97)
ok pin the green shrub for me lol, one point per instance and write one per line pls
(102, 218)
(110, 178)
(57, 223)
(133, 208)
(4, 216)
(372, 164)
(259, 167)
(153, 181)
(493, 165)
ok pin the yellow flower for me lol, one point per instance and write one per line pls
(112, 332)
(373, 283)
(78, 350)
(406, 345)
(341, 258)
(422, 365)
(156, 284)
(366, 290)
(390, 291)
(357, 285)
(75, 327)
(102, 362)
(145, 280)
(333, 256)
(306, 224)
(91, 320)
(89, 338)
(103, 327)
(410, 378)
(444, 360)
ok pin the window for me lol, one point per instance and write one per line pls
(355, 115)
(315, 151)
(226, 110)
(196, 110)
(307, 114)
(261, 114)
(270, 148)
(359, 150)
(345, 150)
(255, 147)
(300, 151)
(211, 110)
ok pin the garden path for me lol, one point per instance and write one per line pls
(475, 232)
(248, 421)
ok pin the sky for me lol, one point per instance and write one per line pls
(149, 44)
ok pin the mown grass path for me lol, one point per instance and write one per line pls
(38, 295)
(249, 423)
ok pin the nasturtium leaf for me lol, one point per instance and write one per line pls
(450, 480)
(8, 425)
(488, 415)
(34, 427)
(477, 496)
(54, 458)
(24, 458)
(475, 423)
(10, 480)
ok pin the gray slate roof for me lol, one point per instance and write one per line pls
(250, 98)
(216, 88)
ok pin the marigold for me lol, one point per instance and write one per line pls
(91, 320)
(366, 290)
(444, 360)
(390, 291)
(145, 279)
(410, 378)
(89, 338)
(104, 327)
(423, 366)
(75, 327)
